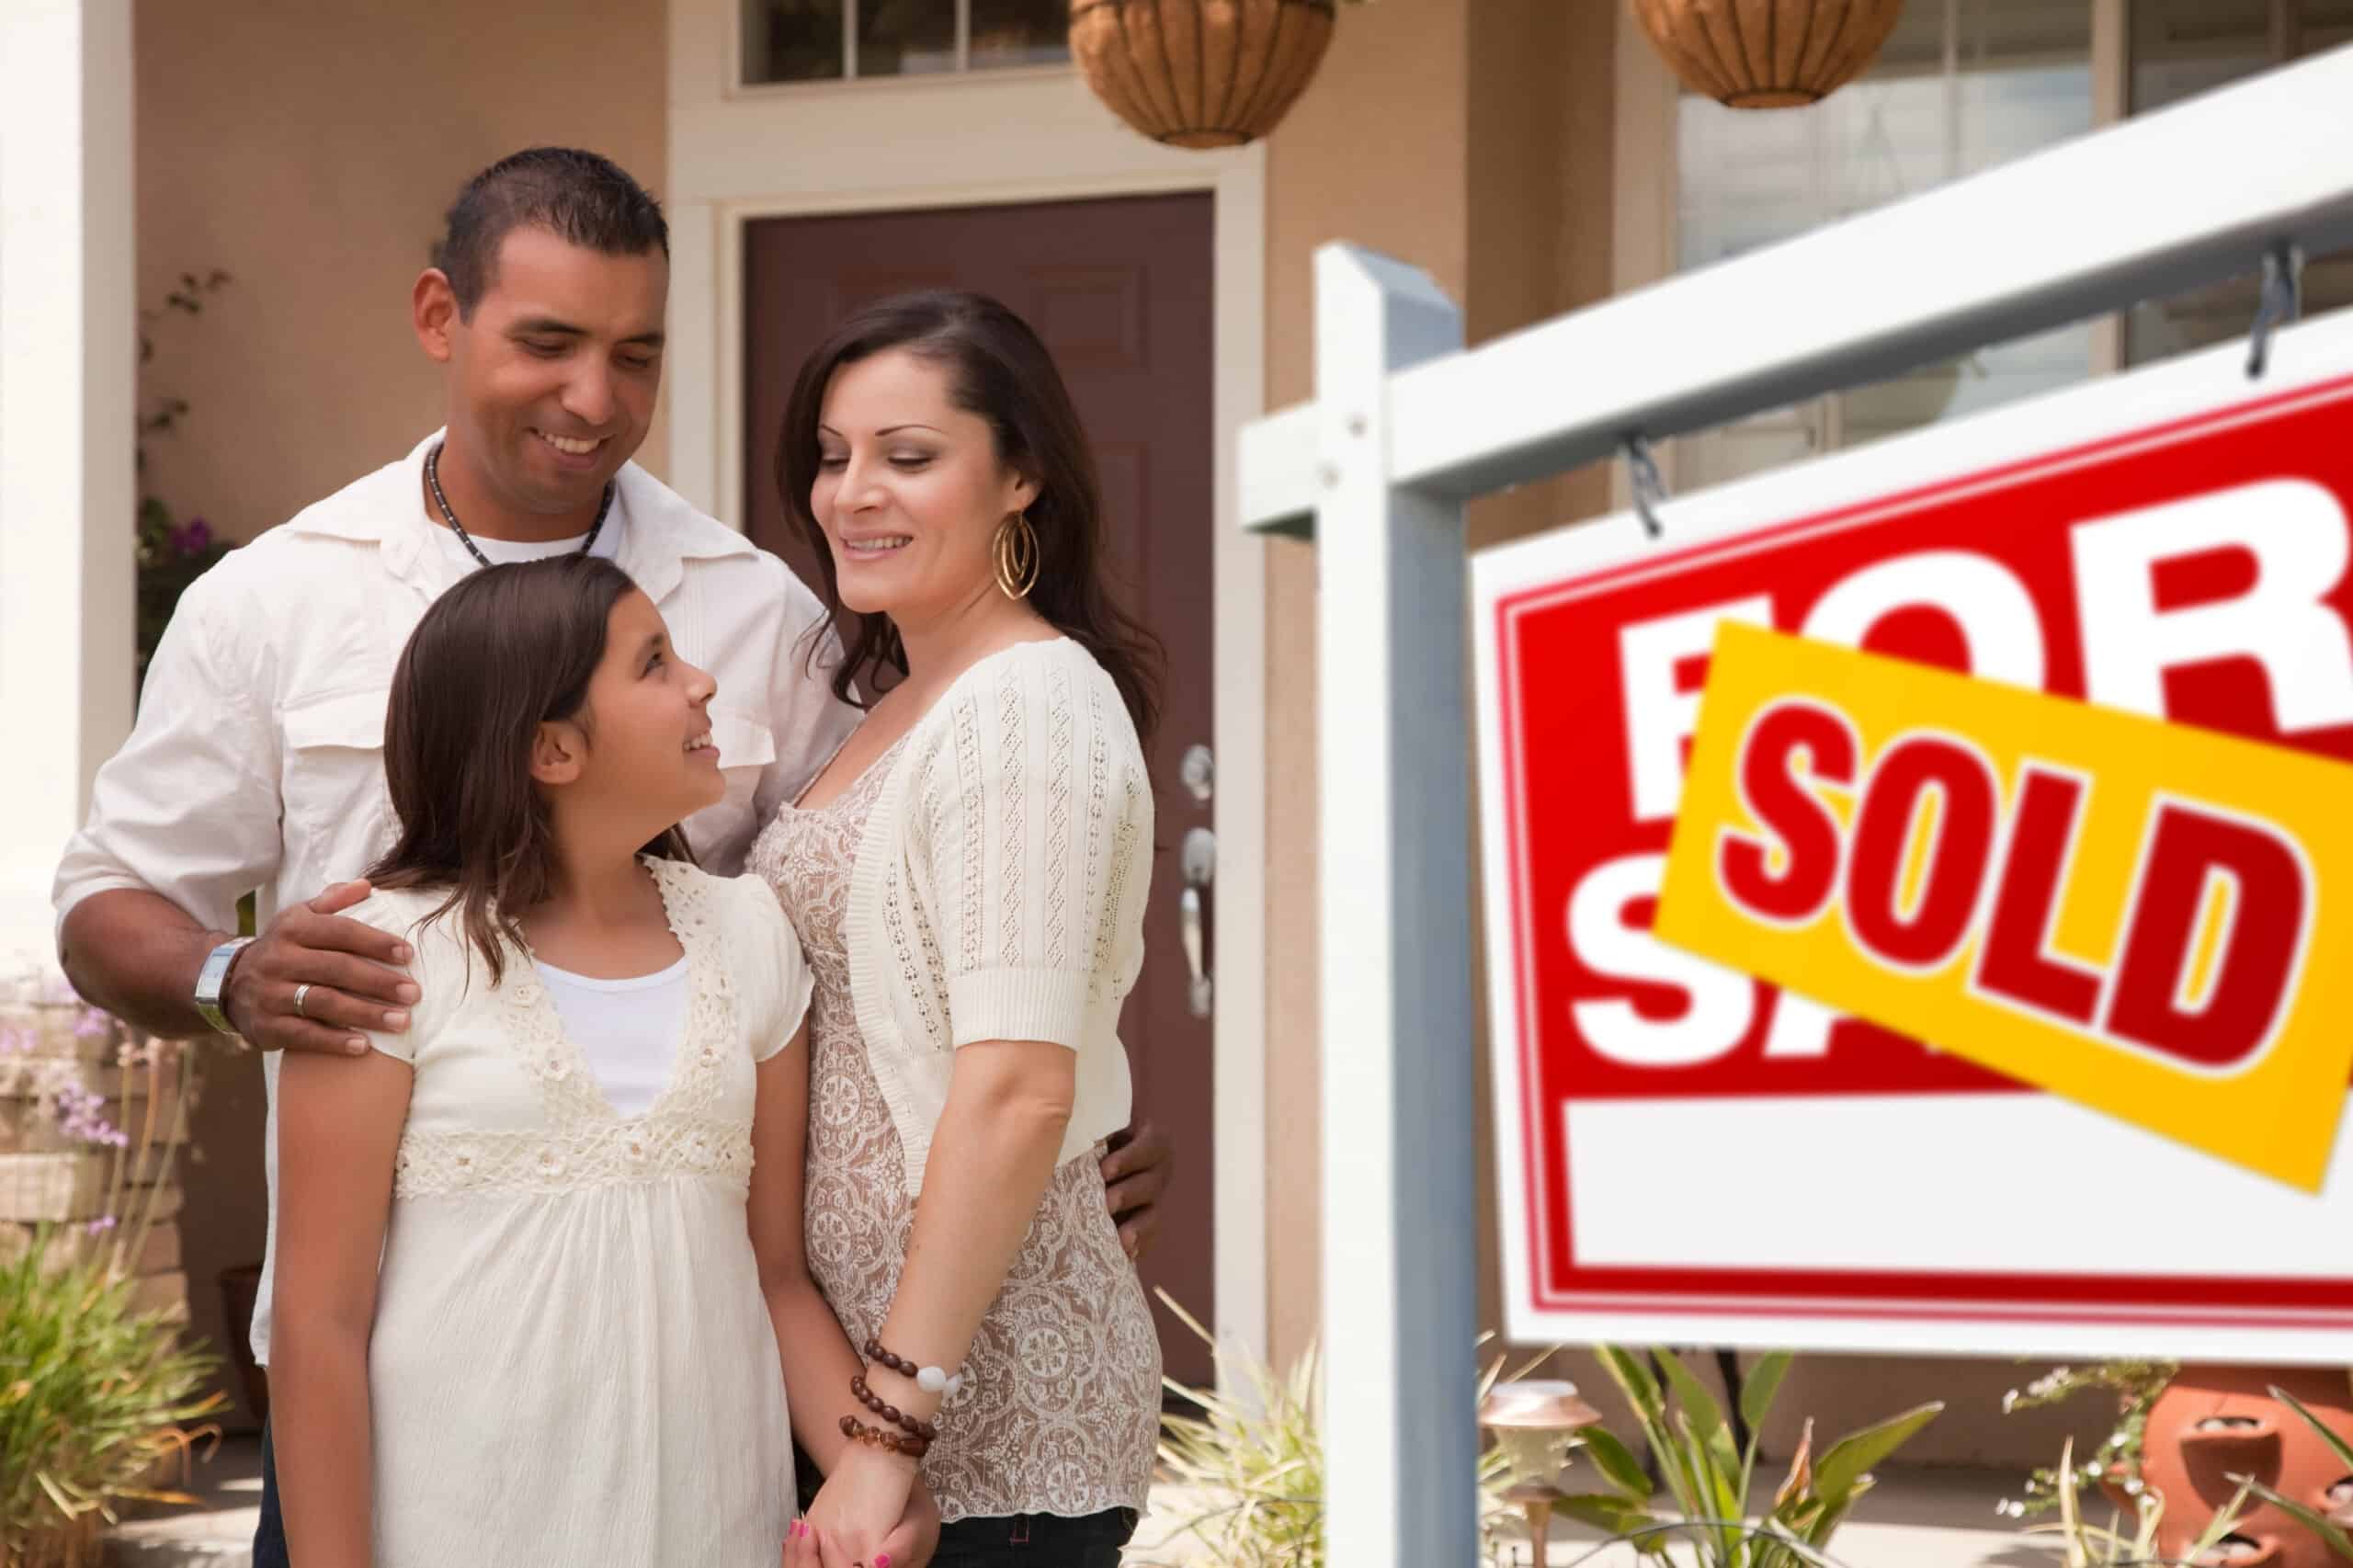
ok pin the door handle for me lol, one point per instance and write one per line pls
(1200, 855)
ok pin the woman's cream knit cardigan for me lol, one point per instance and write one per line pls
(999, 887)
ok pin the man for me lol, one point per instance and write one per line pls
(258, 758)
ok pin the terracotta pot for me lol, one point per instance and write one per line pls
(2213, 1423)
(1199, 72)
(1767, 53)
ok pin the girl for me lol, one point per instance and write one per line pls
(967, 879)
(581, 1167)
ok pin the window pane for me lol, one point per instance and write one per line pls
(2322, 24)
(2182, 48)
(906, 38)
(1021, 32)
(1751, 446)
(1750, 176)
(1983, 379)
(2016, 33)
(793, 40)
(2019, 80)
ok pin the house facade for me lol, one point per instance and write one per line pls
(1532, 155)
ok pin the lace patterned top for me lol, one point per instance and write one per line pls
(571, 1359)
(1060, 1411)
(998, 888)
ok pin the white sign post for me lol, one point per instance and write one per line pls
(1404, 431)
(1400, 1217)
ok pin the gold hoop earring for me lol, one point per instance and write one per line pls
(1017, 556)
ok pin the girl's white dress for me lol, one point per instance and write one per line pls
(572, 1362)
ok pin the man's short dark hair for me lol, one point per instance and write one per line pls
(578, 197)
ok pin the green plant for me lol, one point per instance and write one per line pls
(1709, 1477)
(1253, 1459)
(93, 1399)
(2093, 1546)
(2135, 1386)
(94, 1395)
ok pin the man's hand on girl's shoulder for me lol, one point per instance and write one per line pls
(345, 975)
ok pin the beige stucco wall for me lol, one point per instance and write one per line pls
(1472, 138)
(1373, 154)
(309, 149)
(1475, 138)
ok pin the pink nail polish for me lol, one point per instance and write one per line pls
(882, 1560)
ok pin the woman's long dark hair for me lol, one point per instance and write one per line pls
(509, 649)
(999, 370)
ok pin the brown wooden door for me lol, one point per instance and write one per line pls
(1120, 290)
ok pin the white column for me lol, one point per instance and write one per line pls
(1400, 1226)
(68, 391)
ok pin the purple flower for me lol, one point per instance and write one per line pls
(92, 1024)
(102, 1225)
(81, 1116)
(193, 537)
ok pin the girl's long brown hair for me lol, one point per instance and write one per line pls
(509, 649)
(1001, 371)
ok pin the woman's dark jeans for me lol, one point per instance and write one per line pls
(1036, 1541)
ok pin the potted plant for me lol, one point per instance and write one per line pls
(1201, 74)
(1767, 53)
(2088, 1545)
(2115, 1466)
(1246, 1474)
(1711, 1479)
(97, 1391)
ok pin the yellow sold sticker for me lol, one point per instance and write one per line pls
(2133, 915)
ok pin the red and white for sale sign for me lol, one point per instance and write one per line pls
(1689, 1153)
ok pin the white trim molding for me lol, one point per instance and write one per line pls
(69, 358)
(977, 139)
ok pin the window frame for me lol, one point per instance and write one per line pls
(737, 84)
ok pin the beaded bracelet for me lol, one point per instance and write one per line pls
(931, 1379)
(892, 1412)
(876, 1437)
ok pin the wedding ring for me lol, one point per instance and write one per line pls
(300, 993)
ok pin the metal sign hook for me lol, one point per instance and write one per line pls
(2281, 301)
(1649, 489)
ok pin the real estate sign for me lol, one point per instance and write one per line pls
(1920, 887)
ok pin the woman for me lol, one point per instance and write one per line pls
(581, 1167)
(967, 879)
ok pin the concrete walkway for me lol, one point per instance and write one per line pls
(1927, 1518)
(1913, 1519)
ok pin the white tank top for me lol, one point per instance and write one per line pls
(626, 1028)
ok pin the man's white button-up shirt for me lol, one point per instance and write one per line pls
(258, 760)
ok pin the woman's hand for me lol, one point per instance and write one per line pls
(866, 1516)
(917, 1536)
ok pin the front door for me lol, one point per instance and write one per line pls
(1120, 290)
